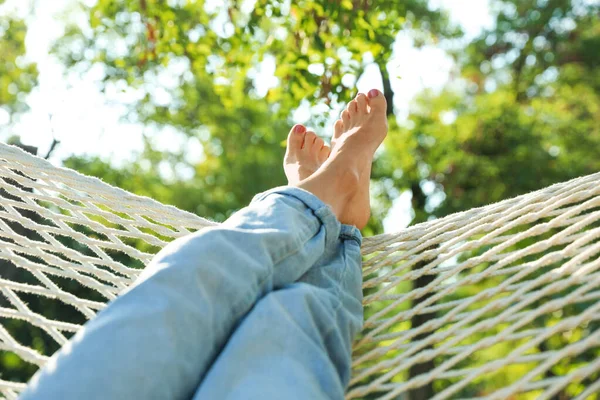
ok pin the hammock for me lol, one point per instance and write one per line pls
(496, 302)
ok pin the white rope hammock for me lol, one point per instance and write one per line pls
(496, 302)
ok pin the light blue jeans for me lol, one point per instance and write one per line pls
(265, 306)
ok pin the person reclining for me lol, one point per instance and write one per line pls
(264, 306)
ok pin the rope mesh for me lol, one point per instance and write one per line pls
(497, 302)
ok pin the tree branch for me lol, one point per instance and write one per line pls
(53, 146)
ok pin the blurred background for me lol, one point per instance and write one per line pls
(189, 102)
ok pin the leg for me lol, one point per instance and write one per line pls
(296, 341)
(157, 340)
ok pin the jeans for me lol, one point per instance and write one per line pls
(264, 306)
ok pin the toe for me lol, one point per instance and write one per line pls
(361, 101)
(295, 139)
(353, 110)
(324, 154)
(338, 129)
(318, 144)
(377, 101)
(309, 140)
(346, 119)
(352, 107)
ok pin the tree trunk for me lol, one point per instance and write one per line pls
(426, 391)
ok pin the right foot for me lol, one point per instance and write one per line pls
(343, 180)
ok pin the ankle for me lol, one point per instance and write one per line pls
(334, 186)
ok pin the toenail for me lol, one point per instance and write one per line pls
(373, 93)
(299, 129)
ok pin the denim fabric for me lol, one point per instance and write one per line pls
(263, 306)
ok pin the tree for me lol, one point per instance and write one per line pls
(195, 69)
(523, 116)
(17, 76)
(214, 54)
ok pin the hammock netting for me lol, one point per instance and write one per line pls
(497, 302)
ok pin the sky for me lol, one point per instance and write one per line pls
(88, 122)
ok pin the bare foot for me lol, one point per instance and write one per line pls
(305, 153)
(343, 180)
(362, 113)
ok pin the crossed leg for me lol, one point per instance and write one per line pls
(296, 341)
(159, 339)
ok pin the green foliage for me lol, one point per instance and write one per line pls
(317, 49)
(522, 115)
(527, 118)
(17, 77)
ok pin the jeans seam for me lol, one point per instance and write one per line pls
(346, 236)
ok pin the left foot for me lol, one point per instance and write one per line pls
(305, 154)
